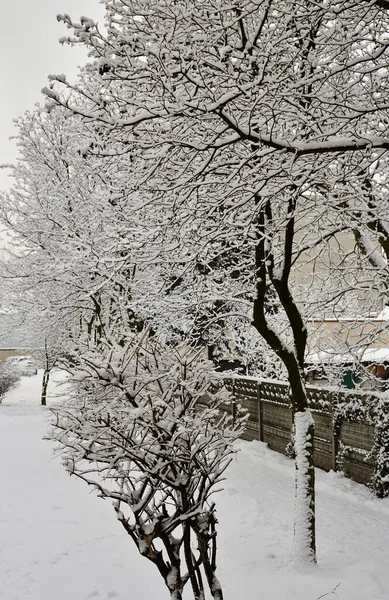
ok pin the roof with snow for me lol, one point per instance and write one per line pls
(370, 356)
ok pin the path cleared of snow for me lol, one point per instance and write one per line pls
(58, 541)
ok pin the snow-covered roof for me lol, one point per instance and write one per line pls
(353, 318)
(370, 355)
(11, 343)
(384, 314)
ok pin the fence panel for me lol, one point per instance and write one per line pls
(270, 420)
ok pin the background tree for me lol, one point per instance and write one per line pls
(9, 379)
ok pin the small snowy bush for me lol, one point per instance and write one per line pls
(133, 429)
(9, 379)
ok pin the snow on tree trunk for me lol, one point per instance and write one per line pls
(216, 589)
(304, 524)
(173, 581)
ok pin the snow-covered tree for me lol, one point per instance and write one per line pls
(202, 172)
(133, 430)
(70, 247)
(83, 255)
(258, 123)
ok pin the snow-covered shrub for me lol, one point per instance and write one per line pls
(379, 414)
(372, 409)
(133, 430)
(9, 379)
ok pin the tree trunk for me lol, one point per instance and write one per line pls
(304, 428)
(293, 359)
(205, 537)
(304, 516)
(45, 383)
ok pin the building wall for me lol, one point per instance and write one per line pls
(6, 352)
(339, 334)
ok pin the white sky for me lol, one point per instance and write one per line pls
(29, 52)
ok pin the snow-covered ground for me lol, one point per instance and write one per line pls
(59, 542)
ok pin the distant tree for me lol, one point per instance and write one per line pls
(50, 354)
(67, 254)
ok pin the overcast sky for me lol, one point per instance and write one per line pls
(29, 51)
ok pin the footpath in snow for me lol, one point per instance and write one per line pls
(58, 541)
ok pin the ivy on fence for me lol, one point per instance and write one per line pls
(372, 409)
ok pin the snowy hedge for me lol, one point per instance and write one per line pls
(374, 410)
(9, 379)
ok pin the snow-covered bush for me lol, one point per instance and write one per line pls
(374, 410)
(9, 379)
(133, 430)
(380, 480)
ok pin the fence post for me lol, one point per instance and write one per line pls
(335, 434)
(260, 412)
(233, 407)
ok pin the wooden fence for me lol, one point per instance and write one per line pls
(339, 443)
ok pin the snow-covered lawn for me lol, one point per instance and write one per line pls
(59, 542)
